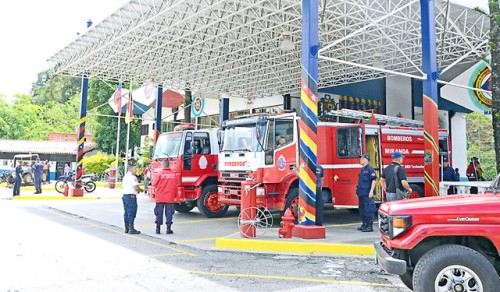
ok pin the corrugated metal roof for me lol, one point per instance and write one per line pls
(41, 147)
(234, 45)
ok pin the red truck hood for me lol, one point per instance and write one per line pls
(446, 209)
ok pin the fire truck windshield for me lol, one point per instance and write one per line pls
(168, 145)
(245, 138)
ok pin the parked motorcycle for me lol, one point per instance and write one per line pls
(87, 183)
(4, 177)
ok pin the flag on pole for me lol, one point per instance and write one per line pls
(129, 116)
(118, 98)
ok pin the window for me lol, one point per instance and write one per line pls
(144, 129)
(283, 132)
(201, 144)
(350, 142)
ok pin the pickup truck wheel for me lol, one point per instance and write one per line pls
(407, 279)
(208, 203)
(183, 207)
(454, 267)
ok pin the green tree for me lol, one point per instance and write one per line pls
(480, 143)
(106, 122)
(495, 77)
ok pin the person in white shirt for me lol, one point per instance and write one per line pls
(131, 189)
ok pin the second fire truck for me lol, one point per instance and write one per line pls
(192, 155)
(252, 150)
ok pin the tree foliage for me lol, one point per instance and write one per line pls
(494, 7)
(98, 163)
(480, 143)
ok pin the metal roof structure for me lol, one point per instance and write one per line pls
(234, 45)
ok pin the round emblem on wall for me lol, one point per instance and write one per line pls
(197, 106)
(481, 79)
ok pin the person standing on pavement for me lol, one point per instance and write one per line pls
(37, 169)
(46, 169)
(319, 194)
(394, 177)
(366, 185)
(131, 189)
(448, 174)
(67, 170)
(164, 182)
(17, 180)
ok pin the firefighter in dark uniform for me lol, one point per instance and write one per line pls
(448, 175)
(364, 191)
(319, 195)
(17, 180)
(37, 172)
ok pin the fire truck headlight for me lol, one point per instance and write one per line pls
(260, 192)
(400, 224)
(219, 189)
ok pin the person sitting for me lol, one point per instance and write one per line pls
(281, 142)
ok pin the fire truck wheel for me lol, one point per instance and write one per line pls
(454, 267)
(183, 207)
(417, 192)
(292, 202)
(208, 203)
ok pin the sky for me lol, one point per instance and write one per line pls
(31, 31)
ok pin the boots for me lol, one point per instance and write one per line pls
(158, 228)
(126, 227)
(362, 226)
(132, 229)
(368, 227)
(169, 231)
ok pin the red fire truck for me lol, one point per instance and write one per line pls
(250, 151)
(192, 155)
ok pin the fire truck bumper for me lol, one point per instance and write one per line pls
(390, 264)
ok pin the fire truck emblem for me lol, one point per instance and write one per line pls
(427, 157)
(281, 163)
(203, 162)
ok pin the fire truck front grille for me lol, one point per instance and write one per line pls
(383, 223)
(233, 175)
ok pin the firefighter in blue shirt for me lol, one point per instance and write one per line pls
(17, 180)
(37, 172)
(364, 191)
(449, 175)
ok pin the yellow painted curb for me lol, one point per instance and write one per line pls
(295, 247)
(53, 198)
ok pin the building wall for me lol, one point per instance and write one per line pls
(458, 145)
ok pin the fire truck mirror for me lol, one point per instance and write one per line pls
(269, 157)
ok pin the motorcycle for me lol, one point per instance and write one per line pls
(4, 177)
(87, 182)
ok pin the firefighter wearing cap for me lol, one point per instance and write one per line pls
(364, 191)
(394, 176)
(448, 175)
(37, 169)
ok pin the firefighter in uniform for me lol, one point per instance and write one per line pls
(164, 182)
(17, 180)
(37, 172)
(364, 191)
(319, 194)
(131, 189)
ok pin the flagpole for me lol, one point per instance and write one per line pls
(118, 142)
(128, 126)
(119, 111)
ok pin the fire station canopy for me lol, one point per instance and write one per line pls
(234, 45)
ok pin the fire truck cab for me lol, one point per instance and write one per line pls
(192, 155)
(263, 148)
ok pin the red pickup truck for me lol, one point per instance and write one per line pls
(446, 243)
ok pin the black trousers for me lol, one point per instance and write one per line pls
(319, 207)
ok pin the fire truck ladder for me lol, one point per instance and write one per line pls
(367, 116)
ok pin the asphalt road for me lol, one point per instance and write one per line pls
(43, 249)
